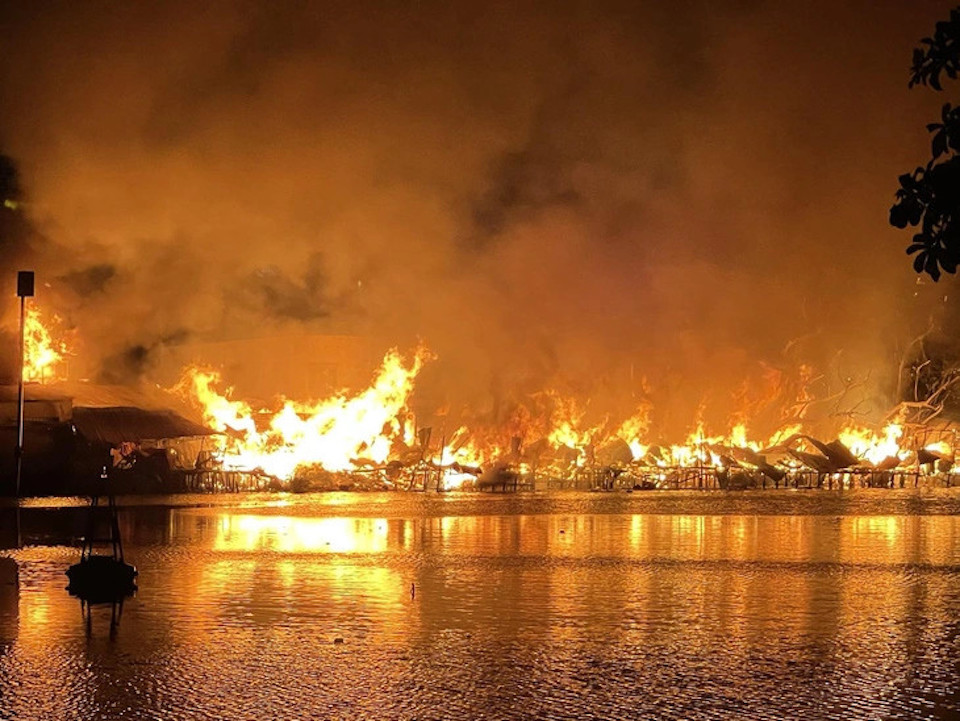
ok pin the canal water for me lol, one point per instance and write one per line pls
(764, 605)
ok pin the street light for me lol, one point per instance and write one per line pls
(24, 291)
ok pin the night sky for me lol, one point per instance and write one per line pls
(546, 194)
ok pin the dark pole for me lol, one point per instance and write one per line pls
(24, 291)
(19, 450)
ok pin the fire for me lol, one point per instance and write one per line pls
(42, 355)
(874, 447)
(634, 429)
(566, 424)
(940, 447)
(373, 432)
(341, 433)
(460, 460)
(545, 438)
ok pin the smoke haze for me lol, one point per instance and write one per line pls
(624, 201)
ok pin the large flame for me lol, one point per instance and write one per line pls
(341, 433)
(874, 447)
(373, 430)
(43, 356)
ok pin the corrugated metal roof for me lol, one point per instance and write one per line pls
(119, 424)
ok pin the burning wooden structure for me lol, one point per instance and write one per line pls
(366, 436)
(370, 439)
(799, 461)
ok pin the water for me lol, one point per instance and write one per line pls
(555, 606)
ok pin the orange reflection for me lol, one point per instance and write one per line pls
(286, 534)
(35, 611)
(888, 529)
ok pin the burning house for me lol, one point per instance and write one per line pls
(372, 433)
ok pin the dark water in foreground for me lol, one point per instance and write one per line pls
(665, 605)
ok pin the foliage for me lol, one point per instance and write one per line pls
(10, 191)
(929, 197)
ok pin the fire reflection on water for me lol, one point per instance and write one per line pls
(624, 614)
(888, 529)
(675, 537)
(286, 534)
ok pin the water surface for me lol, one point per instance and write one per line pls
(658, 605)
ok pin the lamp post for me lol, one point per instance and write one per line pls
(24, 291)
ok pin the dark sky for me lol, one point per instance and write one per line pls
(546, 193)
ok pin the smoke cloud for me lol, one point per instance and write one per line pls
(625, 201)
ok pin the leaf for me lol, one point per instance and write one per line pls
(914, 247)
(919, 262)
(935, 79)
(899, 216)
(939, 144)
(914, 212)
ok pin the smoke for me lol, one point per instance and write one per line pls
(624, 202)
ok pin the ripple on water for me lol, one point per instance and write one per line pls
(667, 607)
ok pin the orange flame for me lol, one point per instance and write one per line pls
(374, 430)
(42, 355)
(341, 433)
(874, 447)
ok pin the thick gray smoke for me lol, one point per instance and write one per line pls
(569, 195)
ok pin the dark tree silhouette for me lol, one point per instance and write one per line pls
(10, 191)
(929, 197)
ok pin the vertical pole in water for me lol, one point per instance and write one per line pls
(24, 291)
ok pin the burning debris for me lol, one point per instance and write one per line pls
(371, 439)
